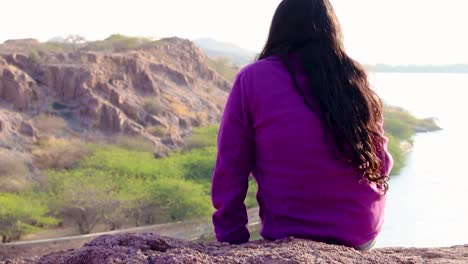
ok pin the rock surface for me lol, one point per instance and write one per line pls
(152, 248)
(168, 84)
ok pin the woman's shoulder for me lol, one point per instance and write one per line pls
(263, 66)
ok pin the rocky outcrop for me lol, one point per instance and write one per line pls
(152, 248)
(169, 85)
(15, 131)
(16, 87)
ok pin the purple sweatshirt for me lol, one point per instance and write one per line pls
(303, 191)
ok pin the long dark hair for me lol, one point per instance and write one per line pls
(338, 88)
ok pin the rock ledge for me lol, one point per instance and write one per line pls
(152, 248)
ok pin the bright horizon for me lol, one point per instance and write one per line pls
(376, 31)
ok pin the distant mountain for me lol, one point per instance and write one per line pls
(454, 68)
(57, 39)
(215, 49)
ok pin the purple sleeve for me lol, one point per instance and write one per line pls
(233, 166)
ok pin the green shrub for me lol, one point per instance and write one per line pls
(136, 143)
(137, 203)
(84, 197)
(251, 199)
(118, 42)
(224, 67)
(14, 172)
(394, 147)
(180, 199)
(20, 215)
(56, 47)
(133, 163)
(399, 129)
(34, 56)
(157, 131)
(202, 137)
(199, 164)
(154, 106)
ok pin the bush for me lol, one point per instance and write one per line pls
(180, 199)
(154, 106)
(119, 42)
(394, 147)
(34, 56)
(202, 137)
(139, 164)
(20, 215)
(59, 154)
(50, 124)
(137, 205)
(83, 197)
(56, 47)
(199, 164)
(224, 67)
(135, 143)
(14, 172)
(157, 131)
(251, 199)
(399, 129)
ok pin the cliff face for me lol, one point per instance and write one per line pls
(167, 85)
(151, 248)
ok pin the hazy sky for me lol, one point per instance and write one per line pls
(390, 31)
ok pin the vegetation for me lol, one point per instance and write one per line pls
(154, 106)
(58, 154)
(157, 131)
(83, 197)
(34, 56)
(137, 143)
(50, 124)
(202, 137)
(119, 42)
(400, 127)
(20, 215)
(123, 184)
(13, 172)
(224, 67)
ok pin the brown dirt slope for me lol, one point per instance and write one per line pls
(152, 248)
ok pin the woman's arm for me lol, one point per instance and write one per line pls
(233, 167)
(386, 158)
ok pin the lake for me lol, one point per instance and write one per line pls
(428, 202)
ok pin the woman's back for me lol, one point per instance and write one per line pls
(305, 121)
(304, 190)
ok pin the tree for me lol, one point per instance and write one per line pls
(137, 204)
(180, 199)
(20, 215)
(75, 40)
(83, 197)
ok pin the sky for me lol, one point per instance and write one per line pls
(376, 31)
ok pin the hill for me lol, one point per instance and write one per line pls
(157, 90)
(217, 49)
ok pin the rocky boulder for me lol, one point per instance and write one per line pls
(16, 87)
(151, 248)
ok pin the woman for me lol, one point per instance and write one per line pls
(304, 121)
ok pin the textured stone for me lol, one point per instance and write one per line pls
(108, 90)
(152, 248)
